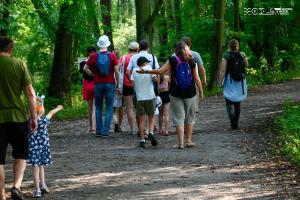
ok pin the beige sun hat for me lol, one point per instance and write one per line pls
(133, 45)
(103, 41)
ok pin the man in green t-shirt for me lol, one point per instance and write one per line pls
(14, 80)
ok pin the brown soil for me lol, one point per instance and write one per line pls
(224, 164)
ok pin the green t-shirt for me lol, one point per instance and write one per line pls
(14, 76)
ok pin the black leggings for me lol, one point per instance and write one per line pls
(233, 115)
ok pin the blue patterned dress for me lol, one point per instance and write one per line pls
(39, 145)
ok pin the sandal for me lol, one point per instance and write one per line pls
(37, 194)
(180, 146)
(189, 145)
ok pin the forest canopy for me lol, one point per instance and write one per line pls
(52, 34)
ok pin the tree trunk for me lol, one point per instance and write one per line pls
(218, 42)
(106, 21)
(269, 45)
(163, 34)
(5, 14)
(178, 21)
(92, 17)
(236, 7)
(60, 80)
(145, 19)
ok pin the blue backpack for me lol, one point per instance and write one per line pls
(103, 64)
(183, 76)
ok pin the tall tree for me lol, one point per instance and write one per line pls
(145, 19)
(218, 41)
(4, 13)
(60, 80)
(236, 13)
(178, 21)
(92, 17)
(106, 20)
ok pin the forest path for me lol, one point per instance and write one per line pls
(224, 164)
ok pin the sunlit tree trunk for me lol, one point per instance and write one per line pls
(145, 19)
(106, 21)
(218, 42)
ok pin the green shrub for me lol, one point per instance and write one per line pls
(289, 126)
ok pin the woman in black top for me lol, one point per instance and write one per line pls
(183, 98)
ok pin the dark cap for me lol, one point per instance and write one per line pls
(142, 60)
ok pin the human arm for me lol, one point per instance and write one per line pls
(198, 82)
(55, 110)
(117, 74)
(164, 68)
(222, 71)
(87, 70)
(31, 97)
(203, 75)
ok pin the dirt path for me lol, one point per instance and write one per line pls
(225, 164)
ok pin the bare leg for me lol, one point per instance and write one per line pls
(180, 134)
(141, 125)
(120, 116)
(151, 123)
(2, 183)
(36, 177)
(188, 131)
(129, 110)
(167, 116)
(90, 114)
(18, 168)
(161, 118)
(42, 175)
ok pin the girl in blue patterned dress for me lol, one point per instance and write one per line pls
(39, 148)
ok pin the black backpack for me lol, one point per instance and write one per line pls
(236, 66)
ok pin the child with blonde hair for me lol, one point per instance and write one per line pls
(39, 148)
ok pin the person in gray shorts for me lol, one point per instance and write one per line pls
(183, 100)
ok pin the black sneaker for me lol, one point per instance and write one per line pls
(142, 144)
(117, 129)
(152, 139)
(16, 194)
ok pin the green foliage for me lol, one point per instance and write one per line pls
(289, 126)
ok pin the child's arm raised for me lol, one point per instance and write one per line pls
(55, 110)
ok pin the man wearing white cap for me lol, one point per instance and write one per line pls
(103, 66)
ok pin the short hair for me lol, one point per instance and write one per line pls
(6, 43)
(187, 41)
(233, 44)
(144, 45)
(91, 49)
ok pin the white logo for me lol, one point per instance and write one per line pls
(266, 11)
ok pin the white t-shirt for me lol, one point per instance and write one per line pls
(132, 63)
(143, 85)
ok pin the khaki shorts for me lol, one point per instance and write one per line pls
(145, 107)
(184, 110)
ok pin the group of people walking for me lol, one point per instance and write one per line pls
(127, 77)
(137, 77)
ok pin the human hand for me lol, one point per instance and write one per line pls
(203, 83)
(141, 71)
(60, 107)
(33, 124)
(155, 79)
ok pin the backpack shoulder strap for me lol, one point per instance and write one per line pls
(178, 60)
(153, 62)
